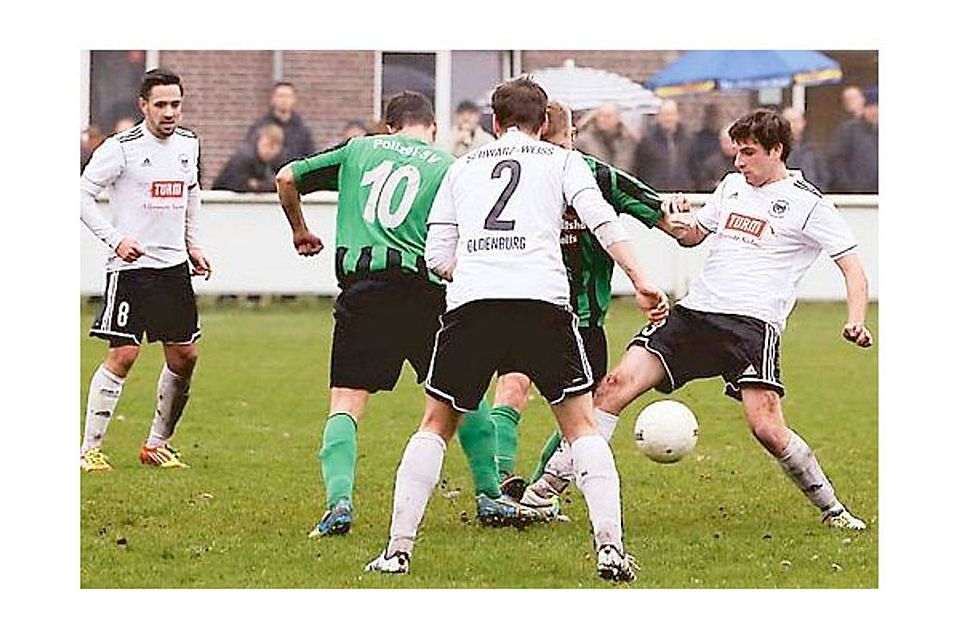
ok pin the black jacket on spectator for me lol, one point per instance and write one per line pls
(854, 158)
(246, 173)
(297, 139)
(804, 157)
(665, 164)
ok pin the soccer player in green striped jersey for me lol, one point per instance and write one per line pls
(589, 271)
(389, 306)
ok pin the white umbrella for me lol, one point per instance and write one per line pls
(586, 88)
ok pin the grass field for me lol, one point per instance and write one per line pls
(724, 517)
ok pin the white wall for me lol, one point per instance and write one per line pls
(248, 240)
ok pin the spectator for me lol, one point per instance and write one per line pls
(853, 101)
(803, 155)
(123, 124)
(353, 129)
(706, 144)
(604, 136)
(663, 157)
(712, 170)
(297, 140)
(251, 168)
(466, 134)
(90, 139)
(854, 151)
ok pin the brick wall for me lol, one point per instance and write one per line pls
(225, 91)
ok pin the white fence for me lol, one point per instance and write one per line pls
(248, 241)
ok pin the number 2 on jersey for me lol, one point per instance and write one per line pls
(385, 182)
(493, 221)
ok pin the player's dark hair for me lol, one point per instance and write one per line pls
(408, 108)
(158, 78)
(766, 127)
(520, 103)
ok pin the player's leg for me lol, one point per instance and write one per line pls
(338, 452)
(597, 478)
(512, 393)
(171, 317)
(102, 398)
(478, 440)
(765, 416)
(638, 371)
(120, 321)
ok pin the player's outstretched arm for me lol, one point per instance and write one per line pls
(855, 330)
(615, 242)
(305, 242)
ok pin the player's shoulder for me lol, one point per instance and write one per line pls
(799, 185)
(130, 135)
(186, 133)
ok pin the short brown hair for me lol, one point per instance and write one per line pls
(408, 108)
(158, 78)
(271, 131)
(766, 127)
(521, 103)
(558, 119)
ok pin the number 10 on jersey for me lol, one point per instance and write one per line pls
(385, 182)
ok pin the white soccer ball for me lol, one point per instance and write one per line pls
(666, 431)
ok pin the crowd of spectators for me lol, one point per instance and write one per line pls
(665, 153)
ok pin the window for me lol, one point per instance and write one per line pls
(114, 80)
(408, 72)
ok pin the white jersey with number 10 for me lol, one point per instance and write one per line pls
(507, 200)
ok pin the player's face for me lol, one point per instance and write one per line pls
(757, 165)
(162, 110)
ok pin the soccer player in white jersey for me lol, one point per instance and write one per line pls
(152, 172)
(494, 230)
(769, 227)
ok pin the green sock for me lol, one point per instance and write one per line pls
(338, 457)
(478, 441)
(552, 444)
(505, 420)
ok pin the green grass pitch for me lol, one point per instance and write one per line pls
(723, 517)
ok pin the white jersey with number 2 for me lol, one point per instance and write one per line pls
(507, 200)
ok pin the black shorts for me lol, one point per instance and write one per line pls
(526, 336)
(158, 302)
(595, 344)
(696, 344)
(379, 323)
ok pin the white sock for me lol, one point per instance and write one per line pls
(105, 388)
(606, 423)
(597, 478)
(173, 391)
(418, 474)
(560, 463)
(799, 463)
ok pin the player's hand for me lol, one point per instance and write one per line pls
(858, 334)
(653, 301)
(201, 265)
(306, 243)
(129, 250)
(674, 203)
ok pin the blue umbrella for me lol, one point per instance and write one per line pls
(725, 70)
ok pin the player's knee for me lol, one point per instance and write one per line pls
(121, 359)
(513, 390)
(183, 361)
(609, 393)
(765, 419)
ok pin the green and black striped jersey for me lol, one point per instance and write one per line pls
(589, 267)
(387, 185)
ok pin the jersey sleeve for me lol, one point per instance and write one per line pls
(442, 211)
(580, 190)
(320, 172)
(632, 197)
(709, 215)
(104, 167)
(827, 228)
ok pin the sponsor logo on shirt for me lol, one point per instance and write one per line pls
(166, 189)
(745, 224)
(571, 228)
